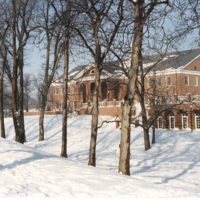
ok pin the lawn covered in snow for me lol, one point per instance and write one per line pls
(171, 168)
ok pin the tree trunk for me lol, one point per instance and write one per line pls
(2, 127)
(41, 119)
(65, 82)
(21, 95)
(145, 124)
(154, 134)
(94, 125)
(17, 119)
(124, 160)
(65, 95)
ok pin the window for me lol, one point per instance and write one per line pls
(104, 90)
(68, 106)
(57, 105)
(150, 83)
(92, 88)
(168, 80)
(74, 87)
(169, 99)
(83, 92)
(195, 67)
(197, 121)
(158, 82)
(56, 91)
(159, 100)
(184, 121)
(68, 89)
(195, 81)
(159, 121)
(116, 90)
(74, 105)
(171, 121)
(92, 71)
(62, 90)
(186, 80)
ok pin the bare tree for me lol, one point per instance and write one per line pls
(99, 23)
(2, 128)
(17, 17)
(3, 62)
(64, 13)
(142, 11)
(52, 32)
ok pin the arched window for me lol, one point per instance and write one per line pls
(104, 90)
(184, 120)
(171, 121)
(83, 92)
(116, 90)
(197, 120)
(92, 88)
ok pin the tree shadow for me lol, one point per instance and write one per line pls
(34, 156)
(164, 156)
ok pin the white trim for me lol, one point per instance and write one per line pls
(174, 71)
(186, 121)
(197, 81)
(191, 61)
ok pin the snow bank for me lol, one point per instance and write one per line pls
(170, 169)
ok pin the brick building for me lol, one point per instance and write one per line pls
(173, 82)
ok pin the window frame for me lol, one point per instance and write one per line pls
(160, 81)
(150, 83)
(92, 71)
(167, 80)
(195, 77)
(74, 105)
(197, 116)
(184, 116)
(56, 91)
(74, 89)
(158, 122)
(170, 122)
(57, 105)
(186, 84)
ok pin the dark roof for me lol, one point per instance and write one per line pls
(175, 59)
(170, 60)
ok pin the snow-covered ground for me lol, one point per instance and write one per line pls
(171, 168)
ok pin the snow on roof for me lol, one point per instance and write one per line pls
(170, 62)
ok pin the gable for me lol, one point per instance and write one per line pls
(194, 65)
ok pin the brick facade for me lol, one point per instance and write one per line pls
(172, 86)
